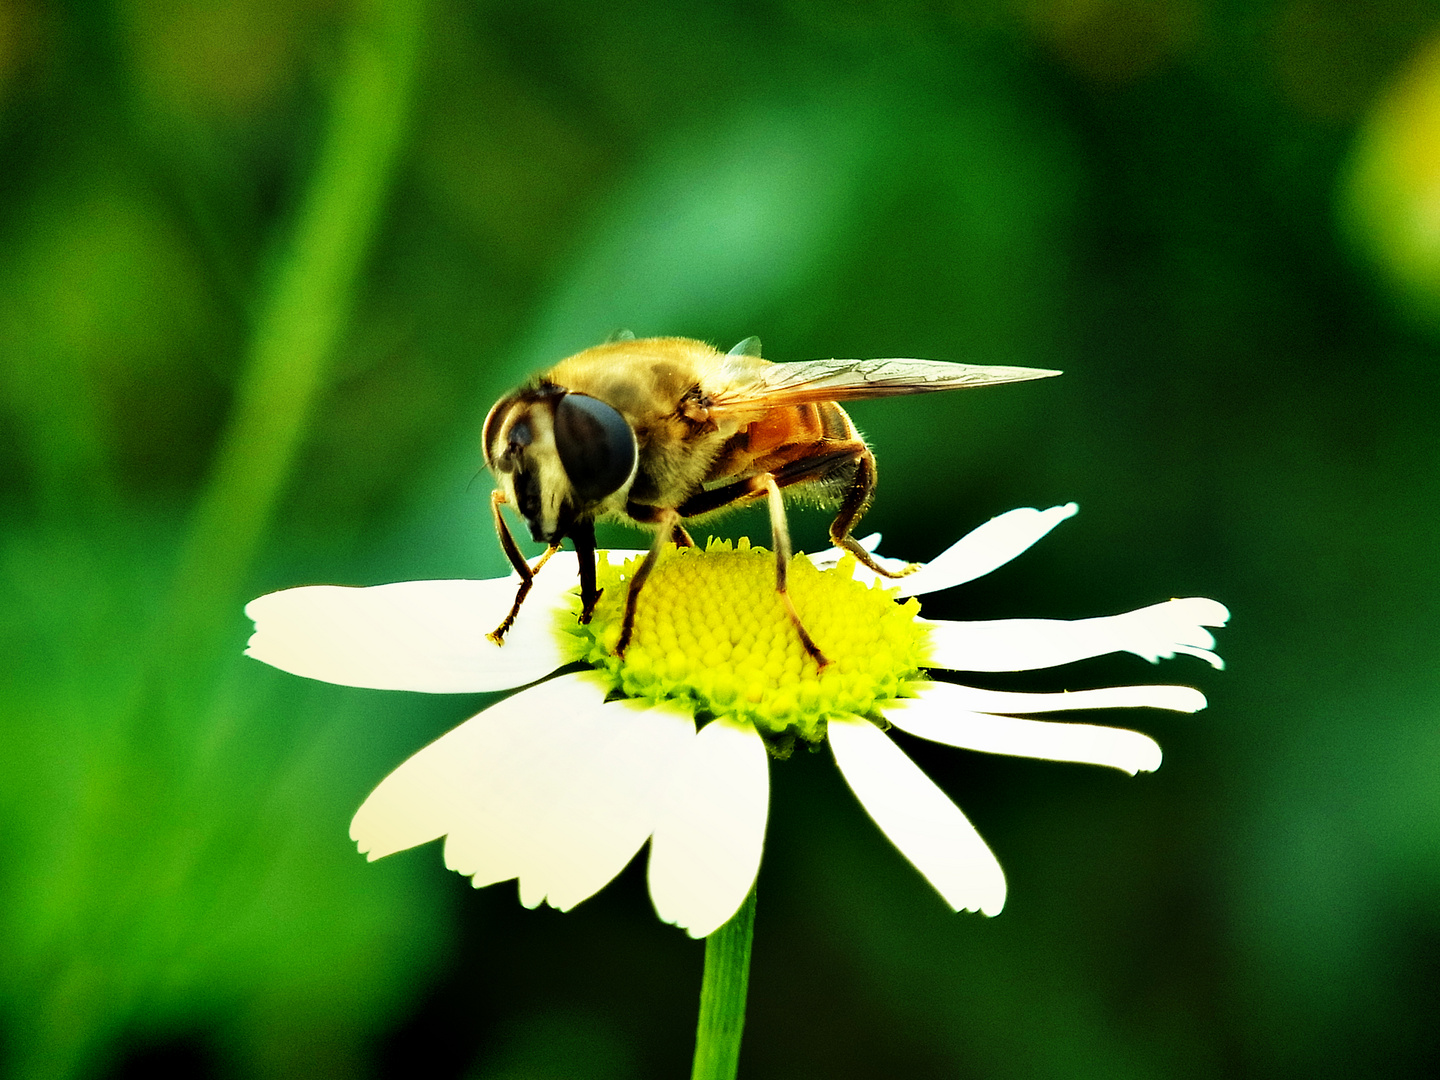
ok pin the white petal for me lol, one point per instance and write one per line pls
(598, 799)
(427, 636)
(1184, 699)
(939, 716)
(711, 828)
(1161, 630)
(987, 548)
(552, 786)
(974, 555)
(465, 783)
(918, 817)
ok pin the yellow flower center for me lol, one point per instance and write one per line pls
(711, 631)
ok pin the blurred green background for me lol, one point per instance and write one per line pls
(265, 264)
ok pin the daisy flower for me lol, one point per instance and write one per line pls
(561, 784)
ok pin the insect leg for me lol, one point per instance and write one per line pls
(780, 541)
(807, 464)
(666, 522)
(582, 534)
(805, 468)
(855, 503)
(527, 575)
(682, 538)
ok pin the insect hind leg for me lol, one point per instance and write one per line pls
(667, 525)
(852, 507)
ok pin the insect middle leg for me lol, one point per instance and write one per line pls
(808, 464)
(668, 530)
(668, 527)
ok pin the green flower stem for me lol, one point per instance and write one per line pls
(722, 996)
(302, 316)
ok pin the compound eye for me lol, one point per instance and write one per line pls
(596, 446)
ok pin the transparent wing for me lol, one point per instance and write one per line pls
(749, 381)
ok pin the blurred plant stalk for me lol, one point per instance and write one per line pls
(304, 309)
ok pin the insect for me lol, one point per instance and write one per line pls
(661, 431)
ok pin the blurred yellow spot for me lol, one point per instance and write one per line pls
(1391, 198)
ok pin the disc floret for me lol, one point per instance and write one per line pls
(711, 631)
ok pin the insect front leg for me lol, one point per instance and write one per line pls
(582, 534)
(517, 560)
(855, 503)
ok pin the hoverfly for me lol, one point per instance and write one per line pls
(660, 431)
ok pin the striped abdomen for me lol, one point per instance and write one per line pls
(782, 436)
